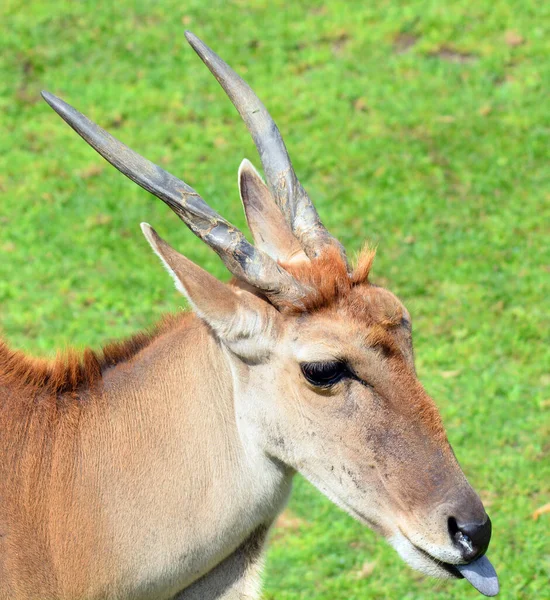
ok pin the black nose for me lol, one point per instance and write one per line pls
(472, 538)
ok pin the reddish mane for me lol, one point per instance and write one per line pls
(73, 370)
(327, 275)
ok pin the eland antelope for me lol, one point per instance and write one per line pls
(155, 468)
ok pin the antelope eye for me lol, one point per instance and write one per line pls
(325, 374)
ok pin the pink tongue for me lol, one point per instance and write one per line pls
(482, 575)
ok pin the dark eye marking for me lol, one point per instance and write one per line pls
(387, 350)
(325, 374)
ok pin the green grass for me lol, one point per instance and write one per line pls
(421, 126)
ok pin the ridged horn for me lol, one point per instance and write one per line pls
(281, 179)
(240, 257)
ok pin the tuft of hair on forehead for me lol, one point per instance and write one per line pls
(363, 265)
(328, 278)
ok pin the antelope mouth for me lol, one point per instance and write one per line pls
(480, 573)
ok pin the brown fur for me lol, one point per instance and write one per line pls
(72, 370)
(165, 485)
(329, 278)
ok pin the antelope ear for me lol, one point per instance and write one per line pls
(245, 323)
(266, 222)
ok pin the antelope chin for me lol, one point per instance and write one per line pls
(420, 560)
(479, 573)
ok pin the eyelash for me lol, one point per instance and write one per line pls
(325, 374)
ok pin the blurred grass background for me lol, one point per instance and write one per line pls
(420, 126)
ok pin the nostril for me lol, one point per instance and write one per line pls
(460, 538)
(453, 527)
(472, 538)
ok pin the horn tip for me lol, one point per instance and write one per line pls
(49, 97)
(60, 106)
(192, 38)
(204, 52)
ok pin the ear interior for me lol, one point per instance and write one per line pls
(241, 320)
(204, 291)
(268, 226)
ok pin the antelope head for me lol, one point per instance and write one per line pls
(321, 358)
